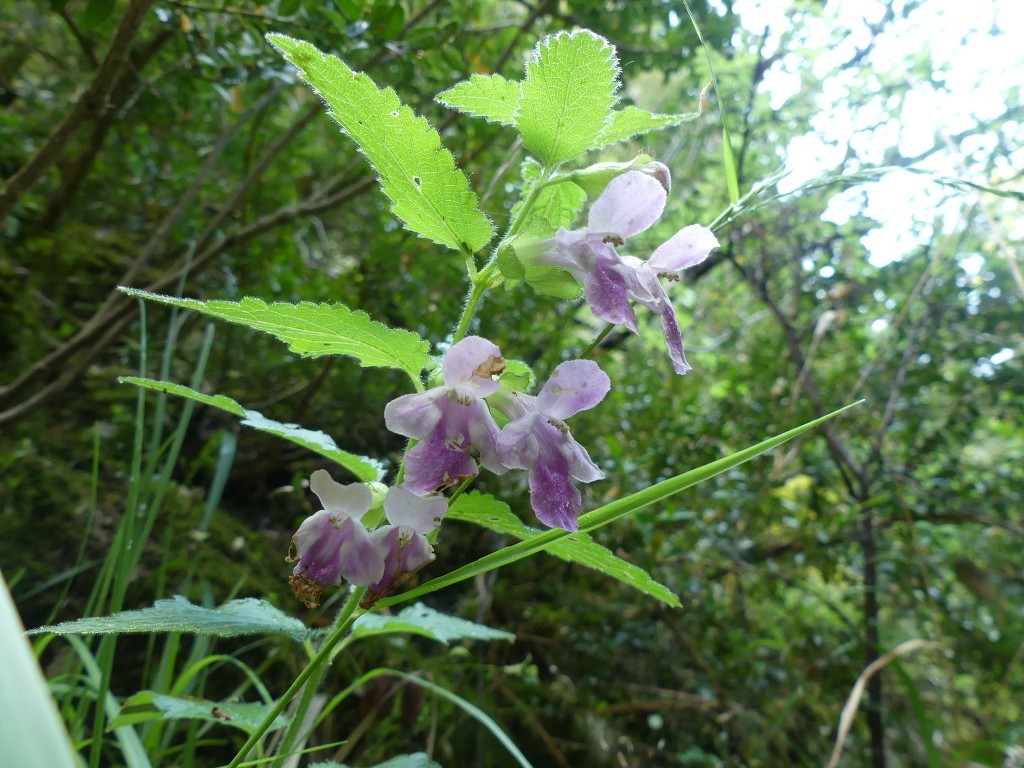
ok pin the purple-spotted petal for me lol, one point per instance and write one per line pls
(686, 248)
(628, 205)
(555, 500)
(422, 514)
(352, 500)
(470, 365)
(574, 386)
(415, 415)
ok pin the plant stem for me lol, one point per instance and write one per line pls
(342, 626)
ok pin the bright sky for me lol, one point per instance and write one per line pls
(976, 43)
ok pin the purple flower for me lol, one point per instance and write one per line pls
(629, 205)
(450, 420)
(540, 442)
(686, 248)
(404, 543)
(333, 544)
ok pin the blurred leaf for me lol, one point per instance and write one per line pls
(387, 19)
(97, 11)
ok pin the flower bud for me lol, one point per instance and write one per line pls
(593, 179)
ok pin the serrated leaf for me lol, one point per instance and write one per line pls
(420, 620)
(149, 705)
(427, 191)
(569, 89)
(486, 511)
(491, 97)
(415, 760)
(633, 121)
(247, 616)
(315, 330)
(366, 469)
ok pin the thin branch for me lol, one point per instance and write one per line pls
(91, 102)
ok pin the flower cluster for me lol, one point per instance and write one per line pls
(453, 424)
(334, 544)
(629, 205)
(453, 421)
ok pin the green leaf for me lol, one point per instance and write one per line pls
(491, 97)
(149, 705)
(315, 330)
(607, 514)
(728, 157)
(420, 620)
(428, 193)
(569, 90)
(32, 731)
(484, 510)
(557, 204)
(247, 616)
(415, 760)
(633, 121)
(366, 469)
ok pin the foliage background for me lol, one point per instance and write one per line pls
(196, 163)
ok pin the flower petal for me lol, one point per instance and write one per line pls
(331, 545)
(555, 500)
(574, 386)
(353, 500)
(415, 415)
(405, 552)
(435, 464)
(470, 365)
(517, 446)
(628, 205)
(422, 514)
(673, 339)
(686, 248)
(606, 290)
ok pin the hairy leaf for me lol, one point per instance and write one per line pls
(569, 90)
(149, 705)
(315, 330)
(247, 616)
(427, 191)
(491, 97)
(420, 620)
(633, 121)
